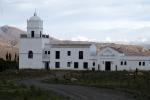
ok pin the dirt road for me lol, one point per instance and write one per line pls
(79, 92)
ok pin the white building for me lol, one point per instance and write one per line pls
(36, 52)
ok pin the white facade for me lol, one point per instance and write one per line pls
(36, 52)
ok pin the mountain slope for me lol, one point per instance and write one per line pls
(9, 39)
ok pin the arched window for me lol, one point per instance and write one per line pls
(30, 54)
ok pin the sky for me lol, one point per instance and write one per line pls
(123, 21)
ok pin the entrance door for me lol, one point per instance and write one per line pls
(47, 65)
(107, 65)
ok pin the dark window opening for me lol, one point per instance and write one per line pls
(143, 63)
(80, 54)
(48, 52)
(69, 53)
(121, 63)
(125, 63)
(45, 52)
(76, 65)
(93, 63)
(139, 63)
(68, 64)
(32, 34)
(57, 64)
(57, 54)
(85, 65)
(30, 54)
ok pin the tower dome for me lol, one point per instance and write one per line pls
(93, 50)
(35, 17)
(35, 26)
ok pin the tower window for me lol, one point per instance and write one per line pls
(30, 54)
(45, 52)
(32, 34)
(48, 52)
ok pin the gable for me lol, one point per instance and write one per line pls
(109, 52)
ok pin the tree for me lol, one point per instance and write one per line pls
(7, 56)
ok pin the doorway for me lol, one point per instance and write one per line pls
(47, 65)
(107, 65)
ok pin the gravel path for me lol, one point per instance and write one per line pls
(78, 92)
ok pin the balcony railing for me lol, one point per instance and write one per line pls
(36, 36)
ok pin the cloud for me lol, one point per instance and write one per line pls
(97, 20)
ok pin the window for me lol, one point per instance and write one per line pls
(48, 52)
(85, 65)
(69, 53)
(76, 65)
(45, 52)
(32, 34)
(57, 54)
(68, 64)
(80, 54)
(143, 63)
(57, 64)
(125, 63)
(30, 54)
(121, 63)
(93, 63)
(139, 63)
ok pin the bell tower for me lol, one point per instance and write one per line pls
(32, 44)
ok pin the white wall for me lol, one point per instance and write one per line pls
(36, 45)
(64, 58)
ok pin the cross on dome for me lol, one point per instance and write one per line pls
(35, 14)
(35, 17)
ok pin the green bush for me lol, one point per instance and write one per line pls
(8, 65)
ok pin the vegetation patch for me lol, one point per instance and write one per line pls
(136, 83)
(23, 74)
(9, 90)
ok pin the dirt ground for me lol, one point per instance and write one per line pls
(78, 92)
